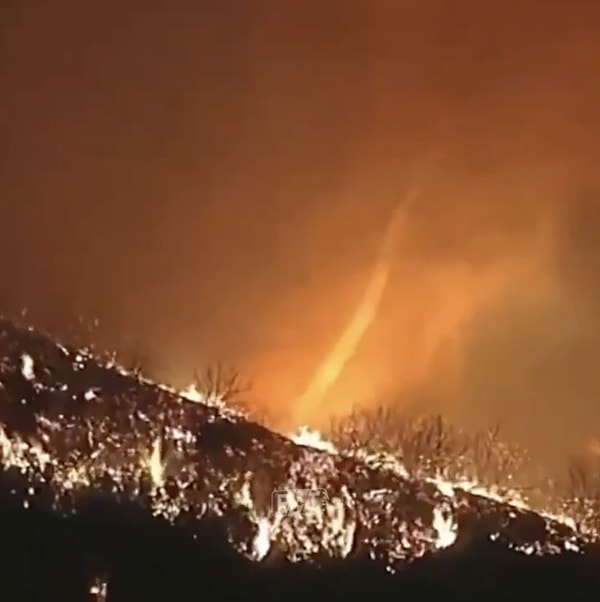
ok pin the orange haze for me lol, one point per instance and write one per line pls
(213, 181)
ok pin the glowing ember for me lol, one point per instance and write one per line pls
(191, 456)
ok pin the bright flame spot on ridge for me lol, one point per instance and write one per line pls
(311, 438)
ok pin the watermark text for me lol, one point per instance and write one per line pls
(289, 503)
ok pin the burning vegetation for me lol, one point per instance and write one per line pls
(76, 430)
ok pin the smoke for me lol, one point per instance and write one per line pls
(213, 185)
(421, 329)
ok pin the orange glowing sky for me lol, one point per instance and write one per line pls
(213, 181)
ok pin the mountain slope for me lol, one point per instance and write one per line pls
(75, 428)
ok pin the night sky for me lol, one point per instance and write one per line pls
(211, 180)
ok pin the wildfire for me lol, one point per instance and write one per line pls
(363, 317)
(311, 438)
(365, 495)
(156, 466)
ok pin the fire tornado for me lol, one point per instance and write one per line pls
(329, 371)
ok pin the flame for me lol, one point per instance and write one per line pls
(156, 466)
(213, 400)
(330, 527)
(445, 527)
(336, 521)
(311, 438)
(333, 365)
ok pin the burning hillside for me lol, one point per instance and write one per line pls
(75, 429)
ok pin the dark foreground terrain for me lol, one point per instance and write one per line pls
(54, 559)
(85, 514)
